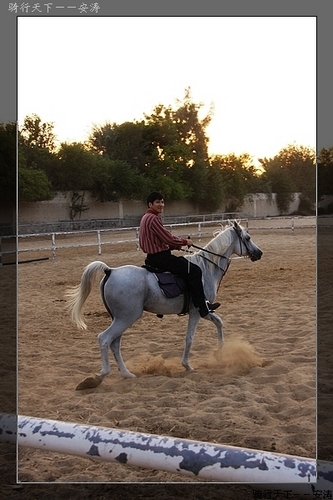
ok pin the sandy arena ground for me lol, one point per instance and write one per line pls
(259, 392)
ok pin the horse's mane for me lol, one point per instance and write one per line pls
(221, 241)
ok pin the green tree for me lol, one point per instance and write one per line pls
(76, 167)
(291, 170)
(115, 179)
(37, 144)
(102, 189)
(168, 151)
(279, 180)
(192, 131)
(101, 138)
(126, 142)
(168, 156)
(180, 149)
(238, 177)
(33, 184)
(36, 134)
(217, 190)
(301, 163)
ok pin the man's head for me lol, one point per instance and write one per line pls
(155, 202)
(154, 196)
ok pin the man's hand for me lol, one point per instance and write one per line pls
(189, 242)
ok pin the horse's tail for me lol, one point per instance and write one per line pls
(79, 294)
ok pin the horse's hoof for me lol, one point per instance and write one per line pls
(89, 383)
(128, 375)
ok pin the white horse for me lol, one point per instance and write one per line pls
(129, 290)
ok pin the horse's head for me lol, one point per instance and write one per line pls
(246, 246)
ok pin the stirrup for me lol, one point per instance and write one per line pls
(212, 307)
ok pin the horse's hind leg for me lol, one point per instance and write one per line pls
(111, 338)
(115, 348)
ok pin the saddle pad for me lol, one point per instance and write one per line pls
(172, 286)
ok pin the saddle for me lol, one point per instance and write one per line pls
(171, 286)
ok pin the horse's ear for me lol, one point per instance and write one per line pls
(237, 228)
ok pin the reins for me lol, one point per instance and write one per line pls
(211, 261)
(214, 263)
(224, 270)
(208, 251)
(216, 255)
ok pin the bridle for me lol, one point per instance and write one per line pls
(241, 240)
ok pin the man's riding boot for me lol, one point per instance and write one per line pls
(208, 307)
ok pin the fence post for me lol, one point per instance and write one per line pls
(99, 242)
(137, 238)
(53, 246)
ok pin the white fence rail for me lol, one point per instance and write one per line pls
(53, 241)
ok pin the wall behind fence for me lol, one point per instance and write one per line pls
(263, 205)
(58, 209)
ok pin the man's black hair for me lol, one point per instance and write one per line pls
(155, 195)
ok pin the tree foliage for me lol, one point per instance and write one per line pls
(115, 179)
(34, 185)
(37, 160)
(237, 178)
(291, 170)
(75, 168)
(166, 151)
(182, 145)
(36, 134)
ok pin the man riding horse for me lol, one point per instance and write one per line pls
(157, 242)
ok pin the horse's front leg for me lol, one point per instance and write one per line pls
(219, 326)
(193, 321)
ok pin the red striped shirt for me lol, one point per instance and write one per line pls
(154, 237)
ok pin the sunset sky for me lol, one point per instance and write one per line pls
(258, 72)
